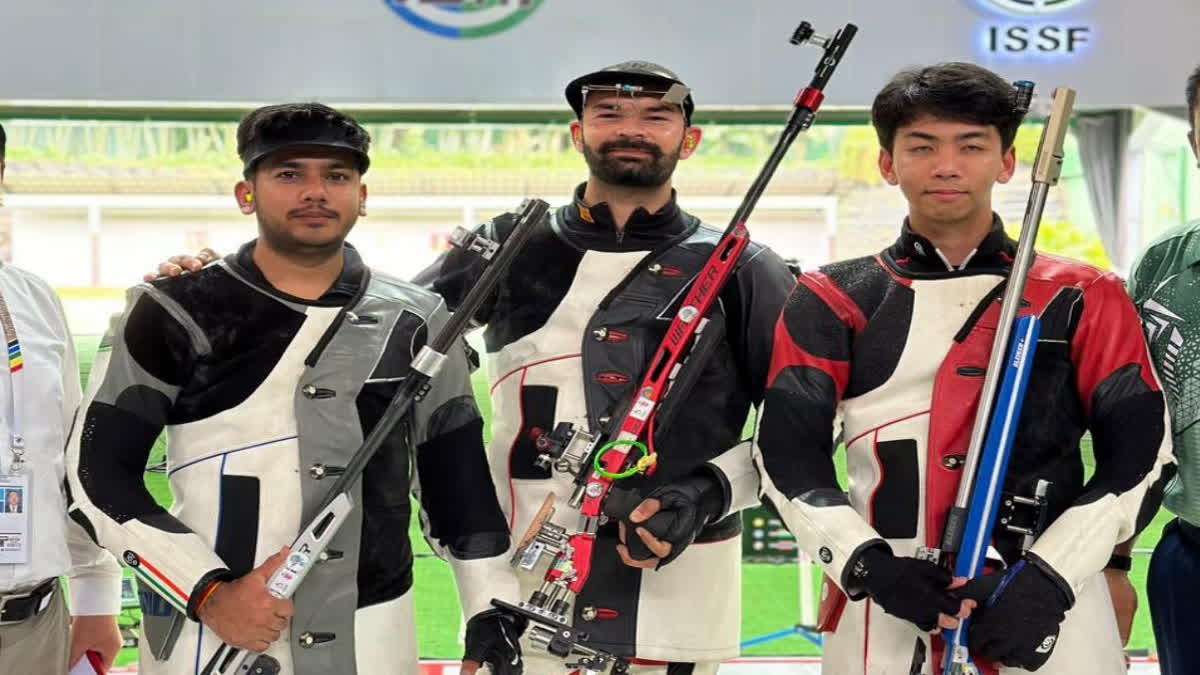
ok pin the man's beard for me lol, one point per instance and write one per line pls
(647, 174)
(279, 239)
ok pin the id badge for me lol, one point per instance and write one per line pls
(15, 503)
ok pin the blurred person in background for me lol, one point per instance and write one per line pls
(39, 396)
(1165, 285)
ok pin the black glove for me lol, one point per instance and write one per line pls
(687, 506)
(492, 637)
(1019, 613)
(907, 588)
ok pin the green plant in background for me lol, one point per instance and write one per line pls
(1068, 240)
(212, 145)
(850, 150)
(1026, 143)
(857, 156)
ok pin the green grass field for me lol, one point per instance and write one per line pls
(770, 593)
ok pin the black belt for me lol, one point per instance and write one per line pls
(18, 607)
(1189, 531)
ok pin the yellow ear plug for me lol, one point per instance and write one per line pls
(249, 197)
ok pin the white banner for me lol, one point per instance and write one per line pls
(511, 52)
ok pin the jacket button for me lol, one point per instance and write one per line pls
(311, 639)
(600, 334)
(317, 471)
(654, 268)
(313, 391)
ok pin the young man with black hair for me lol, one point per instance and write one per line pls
(39, 394)
(899, 342)
(1163, 286)
(268, 369)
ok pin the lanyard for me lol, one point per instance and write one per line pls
(16, 367)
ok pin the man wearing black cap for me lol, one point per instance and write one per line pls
(569, 335)
(267, 369)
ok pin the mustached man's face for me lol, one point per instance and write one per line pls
(306, 199)
(633, 141)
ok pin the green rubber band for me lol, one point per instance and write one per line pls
(624, 474)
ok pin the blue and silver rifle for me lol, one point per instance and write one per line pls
(970, 522)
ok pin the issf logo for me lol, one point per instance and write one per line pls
(464, 18)
(1035, 31)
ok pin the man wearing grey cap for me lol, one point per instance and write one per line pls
(267, 369)
(571, 332)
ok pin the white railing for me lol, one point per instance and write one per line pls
(470, 205)
(112, 236)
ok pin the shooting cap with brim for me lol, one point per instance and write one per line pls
(642, 73)
(316, 136)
